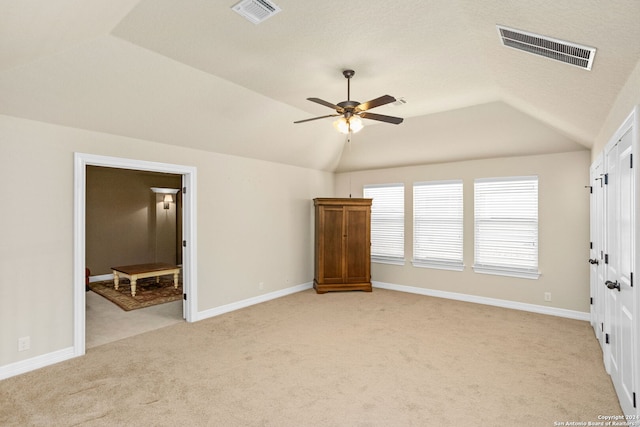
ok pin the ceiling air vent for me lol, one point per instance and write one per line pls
(256, 11)
(560, 50)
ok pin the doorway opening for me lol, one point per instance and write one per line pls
(187, 226)
(128, 222)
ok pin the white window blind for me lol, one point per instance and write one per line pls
(387, 222)
(506, 226)
(438, 224)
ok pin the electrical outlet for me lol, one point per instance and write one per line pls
(547, 296)
(24, 343)
(261, 285)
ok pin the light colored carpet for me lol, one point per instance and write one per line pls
(340, 359)
(106, 322)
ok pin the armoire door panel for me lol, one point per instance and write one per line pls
(333, 246)
(358, 261)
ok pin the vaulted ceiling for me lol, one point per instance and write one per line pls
(193, 73)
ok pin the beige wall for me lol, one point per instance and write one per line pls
(254, 224)
(126, 222)
(563, 229)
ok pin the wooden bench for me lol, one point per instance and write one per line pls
(141, 271)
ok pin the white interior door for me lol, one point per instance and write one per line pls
(619, 292)
(610, 255)
(596, 252)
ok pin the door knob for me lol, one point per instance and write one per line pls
(612, 285)
(593, 261)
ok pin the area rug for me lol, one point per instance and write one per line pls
(148, 292)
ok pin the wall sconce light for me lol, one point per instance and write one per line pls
(168, 198)
(168, 194)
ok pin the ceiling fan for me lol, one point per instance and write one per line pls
(351, 111)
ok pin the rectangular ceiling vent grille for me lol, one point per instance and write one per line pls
(256, 11)
(559, 50)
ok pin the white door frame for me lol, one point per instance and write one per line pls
(189, 261)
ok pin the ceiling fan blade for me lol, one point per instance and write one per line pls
(316, 118)
(381, 118)
(384, 99)
(327, 104)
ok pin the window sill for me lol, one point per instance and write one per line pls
(437, 265)
(522, 274)
(392, 261)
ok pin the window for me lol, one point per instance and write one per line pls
(506, 226)
(387, 222)
(438, 225)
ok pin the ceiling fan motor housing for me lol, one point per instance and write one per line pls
(347, 107)
(348, 73)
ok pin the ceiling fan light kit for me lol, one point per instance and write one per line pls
(352, 112)
(352, 124)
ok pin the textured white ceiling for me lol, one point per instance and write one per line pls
(194, 73)
(31, 29)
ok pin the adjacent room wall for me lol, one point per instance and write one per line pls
(126, 222)
(254, 222)
(563, 229)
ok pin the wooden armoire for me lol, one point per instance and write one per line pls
(342, 245)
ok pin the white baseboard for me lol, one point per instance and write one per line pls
(100, 278)
(552, 311)
(252, 301)
(52, 358)
(37, 362)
